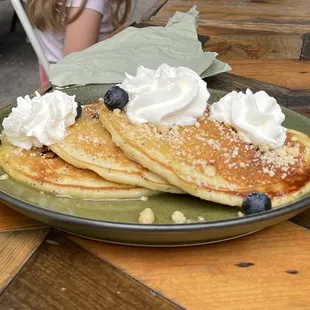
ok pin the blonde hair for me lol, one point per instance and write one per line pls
(50, 14)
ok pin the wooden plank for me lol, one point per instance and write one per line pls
(15, 249)
(61, 275)
(211, 277)
(292, 74)
(230, 9)
(297, 100)
(263, 26)
(216, 29)
(12, 220)
(280, 16)
(229, 82)
(264, 47)
(219, 29)
(305, 53)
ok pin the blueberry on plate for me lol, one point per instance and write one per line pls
(115, 98)
(256, 203)
(78, 110)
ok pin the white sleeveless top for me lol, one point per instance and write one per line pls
(53, 44)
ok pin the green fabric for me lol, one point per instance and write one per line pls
(106, 62)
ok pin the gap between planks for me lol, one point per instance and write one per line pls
(15, 249)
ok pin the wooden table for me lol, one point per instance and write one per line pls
(41, 268)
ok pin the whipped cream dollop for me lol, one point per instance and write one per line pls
(256, 117)
(166, 96)
(41, 120)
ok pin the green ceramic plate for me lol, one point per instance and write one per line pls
(116, 221)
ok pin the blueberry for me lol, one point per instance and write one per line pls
(115, 98)
(256, 203)
(78, 110)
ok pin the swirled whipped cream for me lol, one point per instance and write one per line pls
(41, 120)
(166, 96)
(256, 117)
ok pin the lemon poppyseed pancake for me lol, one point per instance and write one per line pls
(89, 145)
(45, 171)
(210, 161)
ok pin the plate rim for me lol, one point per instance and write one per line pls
(303, 203)
(218, 224)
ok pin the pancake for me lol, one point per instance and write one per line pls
(208, 160)
(88, 145)
(45, 171)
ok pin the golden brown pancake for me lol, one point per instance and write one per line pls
(89, 145)
(45, 171)
(209, 160)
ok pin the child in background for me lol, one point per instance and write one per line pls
(67, 26)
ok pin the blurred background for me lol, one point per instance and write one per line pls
(18, 63)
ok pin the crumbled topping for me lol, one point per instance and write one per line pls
(264, 148)
(117, 111)
(235, 152)
(4, 177)
(240, 214)
(205, 150)
(90, 138)
(210, 171)
(197, 125)
(178, 217)
(281, 157)
(232, 187)
(18, 151)
(147, 216)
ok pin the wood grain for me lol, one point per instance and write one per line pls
(12, 220)
(276, 16)
(61, 275)
(266, 47)
(292, 74)
(229, 82)
(15, 248)
(297, 100)
(207, 277)
(218, 29)
(213, 30)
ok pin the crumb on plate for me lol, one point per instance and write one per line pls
(147, 216)
(178, 217)
(4, 177)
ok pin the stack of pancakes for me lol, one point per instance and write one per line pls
(106, 156)
(86, 164)
(208, 160)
